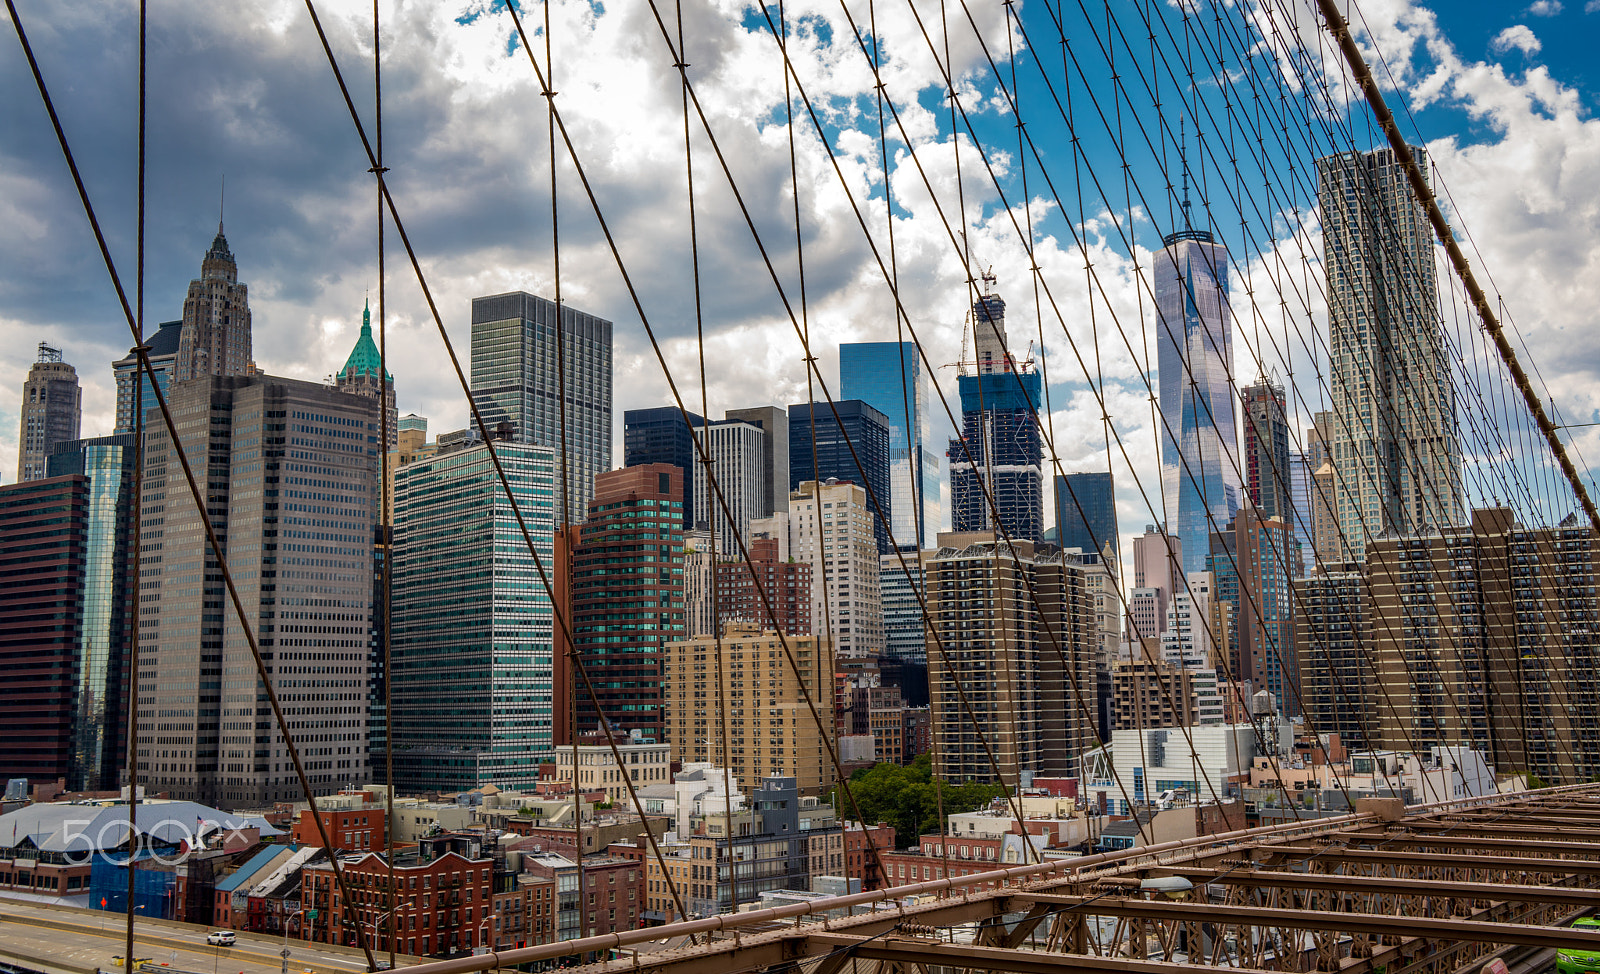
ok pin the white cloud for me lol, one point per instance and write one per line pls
(1544, 8)
(1515, 38)
(1593, 6)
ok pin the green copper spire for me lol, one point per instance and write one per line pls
(364, 359)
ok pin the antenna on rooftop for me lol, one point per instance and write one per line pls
(1183, 158)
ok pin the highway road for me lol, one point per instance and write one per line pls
(84, 940)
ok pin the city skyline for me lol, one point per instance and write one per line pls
(308, 326)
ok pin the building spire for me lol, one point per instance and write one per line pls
(1183, 157)
(222, 203)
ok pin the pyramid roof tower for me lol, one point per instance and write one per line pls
(364, 358)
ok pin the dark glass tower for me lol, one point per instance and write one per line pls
(1000, 443)
(1086, 511)
(42, 545)
(660, 435)
(857, 425)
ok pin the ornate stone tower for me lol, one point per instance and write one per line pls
(216, 318)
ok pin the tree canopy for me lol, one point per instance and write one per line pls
(907, 797)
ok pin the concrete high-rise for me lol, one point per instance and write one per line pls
(472, 669)
(851, 446)
(1502, 657)
(52, 409)
(363, 375)
(215, 339)
(137, 398)
(292, 490)
(737, 450)
(999, 446)
(1035, 713)
(1393, 441)
(1336, 678)
(524, 361)
(762, 712)
(1086, 513)
(1157, 570)
(776, 479)
(659, 434)
(830, 527)
(1200, 481)
(627, 598)
(890, 377)
(106, 607)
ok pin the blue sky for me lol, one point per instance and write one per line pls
(245, 92)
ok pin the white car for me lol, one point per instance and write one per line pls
(222, 938)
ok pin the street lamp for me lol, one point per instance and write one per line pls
(285, 951)
(374, 924)
(486, 919)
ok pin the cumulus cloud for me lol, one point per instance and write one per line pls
(246, 92)
(1515, 38)
(1544, 8)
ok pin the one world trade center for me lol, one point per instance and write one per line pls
(1194, 333)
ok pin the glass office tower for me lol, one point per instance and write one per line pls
(890, 377)
(471, 670)
(1199, 439)
(523, 360)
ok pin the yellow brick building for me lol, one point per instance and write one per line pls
(750, 693)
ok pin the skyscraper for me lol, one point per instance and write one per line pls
(363, 375)
(737, 452)
(831, 526)
(1158, 571)
(1000, 445)
(1194, 338)
(1393, 442)
(52, 408)
(524, 361)
(627, 598)
(471, 676)
(292, 489)
(137, 398)
(105, 597)
(1035, 713)
(852, 446)
(1254, 575)
(1268, 478)
(776, 479)
(43, 528)
(215, 339)
(763, 717)
(891, 378)
(660, 435)
(1086, 513)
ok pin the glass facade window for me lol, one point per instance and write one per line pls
(523, 359)
(890, 377)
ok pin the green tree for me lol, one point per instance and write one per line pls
(908, 797)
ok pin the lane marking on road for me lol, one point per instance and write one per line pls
(273, 959)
